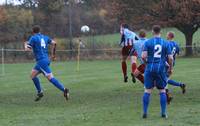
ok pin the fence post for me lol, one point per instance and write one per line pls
(2, 61)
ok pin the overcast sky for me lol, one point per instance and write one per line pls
(9, 1)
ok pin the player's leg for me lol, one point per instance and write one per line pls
(163, 103)
(59, 85)
(123, 63)
(44, 66)
(168, 92)
(161, 83)
(133, 66)
(169, 95)
(148, 83)
(178, 84)
(36, 80)
(35, 71)
(146, 100)
(139, 73)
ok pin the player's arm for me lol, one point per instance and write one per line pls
(27, 46)
(170, 59)
(53, 50)
(144, 52)
(170, 63)
(122, 39)
(122, 34)
(144, 56)
(28, 42)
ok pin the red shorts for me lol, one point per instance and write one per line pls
(141, 68)
(126, 51)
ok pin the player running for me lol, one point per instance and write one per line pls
(39, 44)
(175, 50)
(154, 55)
(128, 37)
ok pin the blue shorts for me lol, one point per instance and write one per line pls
(152, 79)
(42, 66)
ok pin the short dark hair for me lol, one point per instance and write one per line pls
(156, 29)
(36, 29)
(125, 26)
(142, 33)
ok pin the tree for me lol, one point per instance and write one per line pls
(14, 23)
(182, 14)
(32, 4)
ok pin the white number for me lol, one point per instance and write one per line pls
(43, 44)
(158, 49)
(173, 50)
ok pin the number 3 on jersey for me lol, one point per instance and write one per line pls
(157, 51)
(43, 44)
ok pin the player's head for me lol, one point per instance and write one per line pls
(142, 33)
(125, 26)
(36, 29)
(156, 29)
(170, 35)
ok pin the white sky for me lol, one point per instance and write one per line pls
(15, 2)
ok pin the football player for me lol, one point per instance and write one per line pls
(154, 55)
(128, 38)
(39, 44)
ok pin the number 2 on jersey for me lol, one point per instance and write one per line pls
(43, 44)
(157, 51)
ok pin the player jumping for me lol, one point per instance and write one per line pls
(128, 37)
(39, 44)
(154, 55)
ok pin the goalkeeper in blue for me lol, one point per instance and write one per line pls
(175, 51)
(154, 55)
(39, 44)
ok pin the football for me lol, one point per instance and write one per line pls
(85, 29)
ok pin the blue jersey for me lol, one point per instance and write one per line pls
(138, 47)
(39, 44)
(175, 49)
(157, 50)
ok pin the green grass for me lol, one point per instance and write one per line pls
(112, 40)
(98, 97)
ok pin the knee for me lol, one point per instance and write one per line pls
(124, 58)
(133, 59)
(49, 77)
(32, 75)
(162, 90)
(136, 73)
(148, 91)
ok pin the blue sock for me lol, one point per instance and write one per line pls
(174, 83)
(36, 81)
(146, 99)
(56, 83)
(163, 102)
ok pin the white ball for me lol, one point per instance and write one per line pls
(85, 29)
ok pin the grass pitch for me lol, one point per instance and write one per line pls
(98, 97)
